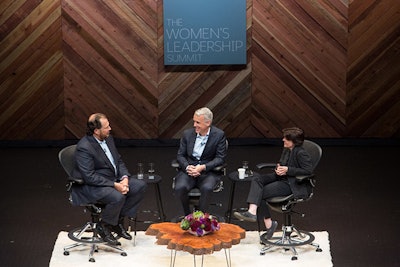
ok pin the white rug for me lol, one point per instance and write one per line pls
(147, 253)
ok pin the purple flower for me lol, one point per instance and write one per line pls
(199, 231)
(200, 223)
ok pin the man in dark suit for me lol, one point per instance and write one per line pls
(202, 148)
(106, 179)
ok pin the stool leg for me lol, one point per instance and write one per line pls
(134, 229)
(134, 232)
(159, 203)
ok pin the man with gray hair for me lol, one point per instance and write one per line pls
(202, 148)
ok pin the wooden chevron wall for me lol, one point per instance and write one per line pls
(328, 66)
(373, 63)
(31, 70)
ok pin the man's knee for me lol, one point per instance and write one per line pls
(114, 197)
(137, 185)
(181, 190)
(206, 189)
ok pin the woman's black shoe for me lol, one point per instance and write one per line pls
(271, 230)
(245, 216)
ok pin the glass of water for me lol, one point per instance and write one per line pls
(151, 170)
(140, 170)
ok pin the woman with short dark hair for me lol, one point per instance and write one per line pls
(282, 182)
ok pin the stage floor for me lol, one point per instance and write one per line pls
(355, 200)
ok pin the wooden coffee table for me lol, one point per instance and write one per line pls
(176, 239)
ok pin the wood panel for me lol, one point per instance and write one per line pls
(31, 75)
(110, 50)
(373, 95)
(328, 66)
(293, 83)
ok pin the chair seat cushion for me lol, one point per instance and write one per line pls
(279, 199)
(195, 192)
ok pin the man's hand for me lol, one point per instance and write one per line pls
(122, 186)
(195, 170)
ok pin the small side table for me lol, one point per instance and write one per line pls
(175, 238)
(156, 184)
(234, 178)
(160, 210)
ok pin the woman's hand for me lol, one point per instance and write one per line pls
(281, 170)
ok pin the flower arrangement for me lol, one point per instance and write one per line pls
(199, 223)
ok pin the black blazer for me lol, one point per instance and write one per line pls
(299, 163)
(96, 170)
(214, 153)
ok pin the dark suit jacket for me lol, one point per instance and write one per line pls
(214, 153)
(299, 163)
(94, 167)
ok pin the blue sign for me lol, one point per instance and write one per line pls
(204, 32)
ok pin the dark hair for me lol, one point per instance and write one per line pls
(294, 134)
(94, 123)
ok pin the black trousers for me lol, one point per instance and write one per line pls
(119, 205)
(267, 186)
(205, 183)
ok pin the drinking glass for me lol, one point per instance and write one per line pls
(245, 166)
(151, 170)
(140, 170)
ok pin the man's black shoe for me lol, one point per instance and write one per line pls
(271, 230)
(120, 231)
(106, 235)
(245, 216)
